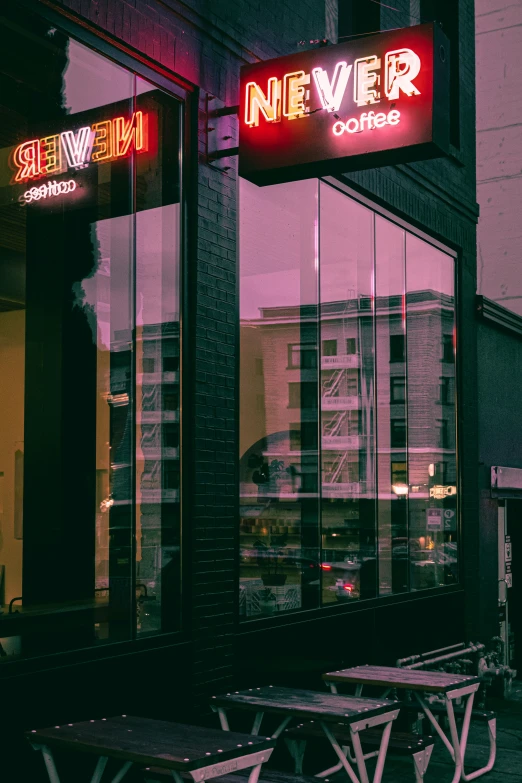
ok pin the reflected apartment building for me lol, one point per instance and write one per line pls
(157, 476)
(348, 469)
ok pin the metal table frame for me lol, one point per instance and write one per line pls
(356, 727)
(455, 745)
(198, 775)
(250, 760)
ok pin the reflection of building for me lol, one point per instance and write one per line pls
(316, 408)
(157, 462)
(158, 481)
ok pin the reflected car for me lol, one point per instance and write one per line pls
(345, 575)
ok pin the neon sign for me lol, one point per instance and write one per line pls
(340, 108)
(75, 149)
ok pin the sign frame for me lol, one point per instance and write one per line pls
(298, 113)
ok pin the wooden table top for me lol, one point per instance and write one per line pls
(151, 742)
(305, 704)
(411, 679)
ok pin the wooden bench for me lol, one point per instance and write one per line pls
(198, 753)
(418, 747)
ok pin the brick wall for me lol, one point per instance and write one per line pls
(205, 42)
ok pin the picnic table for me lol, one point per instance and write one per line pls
(450, 687)
(200, 752)
(327, 709)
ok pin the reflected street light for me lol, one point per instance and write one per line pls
(400, 489)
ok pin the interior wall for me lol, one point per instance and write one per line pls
(12, 362)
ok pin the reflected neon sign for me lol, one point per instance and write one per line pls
(100, 142)
(48, 190)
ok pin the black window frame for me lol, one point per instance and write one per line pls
(123, 55)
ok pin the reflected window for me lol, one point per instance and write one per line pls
(302, 357)
(399, 473)
(398, 433)
(170, 363)
(446, 391)
(447, 348)
(329, 348)
(302, 395)
(397, 348)
(398, 390)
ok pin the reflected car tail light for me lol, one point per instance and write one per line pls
(348, 587)
(326, 567)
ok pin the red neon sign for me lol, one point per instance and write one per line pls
(373, 101)
(98, 143)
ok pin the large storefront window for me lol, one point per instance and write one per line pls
(348, 480)
(89, 347)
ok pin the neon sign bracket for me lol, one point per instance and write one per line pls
(221, 131)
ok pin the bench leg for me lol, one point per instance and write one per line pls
(254, 774)
(99, 769)
(297, 750)
(123, 771)
(492, 732)
(257, 723)
(223, 720)
(332, 770)
(177, 777)
(383, 750)
(436, 726)
(282, 726)
(342, 757)
(49, 763)
(420, 763)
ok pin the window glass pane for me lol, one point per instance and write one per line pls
(279, 567)
(392, 473)
(347, 398)
(158, 569)
(375, 407)
(432, 498)
(76, 140)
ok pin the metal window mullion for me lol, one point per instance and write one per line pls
(134, 411)
(406, 400)
(375, 411)
(319, 390)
